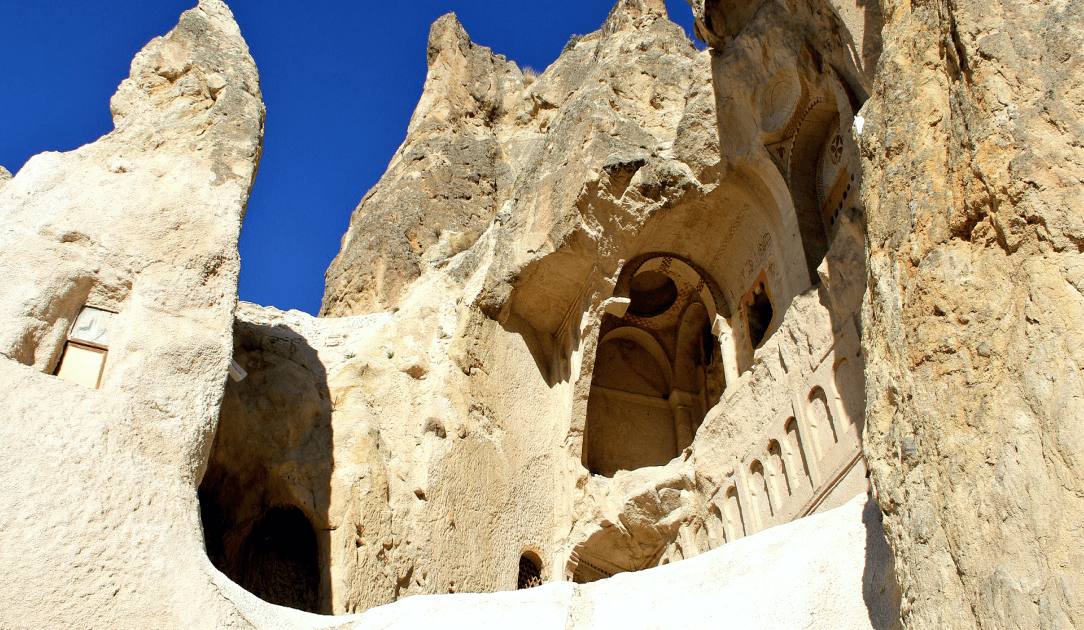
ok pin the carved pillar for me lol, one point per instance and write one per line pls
(682, 404)
(729, 351)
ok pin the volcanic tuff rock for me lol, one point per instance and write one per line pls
(432, 425)
(99, 521)
(444, 425)
(974, 149)
(427, 453)
(489, 143)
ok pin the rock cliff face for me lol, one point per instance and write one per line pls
(974, 148)
(590, 323)
(487, 142)
(549, 261)
(98, 511)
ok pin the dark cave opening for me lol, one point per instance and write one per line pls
(760, 315)
(277, 560)
(282, 565)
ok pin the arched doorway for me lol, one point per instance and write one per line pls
(657, 370)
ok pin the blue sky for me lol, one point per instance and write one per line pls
(340, 80)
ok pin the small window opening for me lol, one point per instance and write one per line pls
(530, 571)
(760, 314)
(651, 293)
(86, 348)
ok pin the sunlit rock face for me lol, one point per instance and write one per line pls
(619, 315)
(972, 151)
(133, 239)
(601, 319)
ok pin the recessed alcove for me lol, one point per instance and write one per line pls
(530, 571)
(262, 507)
(652, 293)
(657, 367)
(759, 313)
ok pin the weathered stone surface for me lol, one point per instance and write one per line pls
(972, 148)
(99, 523)
(487, 143)
(5, 175)
(444, 185)
(453, 430)
(548, 261)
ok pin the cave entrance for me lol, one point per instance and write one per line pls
(276, 557)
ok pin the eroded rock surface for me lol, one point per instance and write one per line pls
(99, 521)
(973, 153)
(548, 261)
(487, 142)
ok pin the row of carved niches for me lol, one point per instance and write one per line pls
(658, 369)
(808, 460)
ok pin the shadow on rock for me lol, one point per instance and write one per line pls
(265, 496)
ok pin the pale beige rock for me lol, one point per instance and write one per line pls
(458, 412)
(834, 569)
(99, 523)
(437, 441)
(972, 146)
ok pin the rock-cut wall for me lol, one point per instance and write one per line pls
(99, 520)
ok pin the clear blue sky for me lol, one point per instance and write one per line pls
(340, 80)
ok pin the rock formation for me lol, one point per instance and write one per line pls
(620, 315)
(531, 276)
(973, 148)
(99, 523)
(971, 154)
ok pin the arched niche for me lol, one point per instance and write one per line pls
(705, 292)
(820, 116)
(762, 508)
(531, 572)
(779, 470)
(670, 310)
(745, 224)
(643, 340)
(821, 422)
(629, 421)
(850, 383)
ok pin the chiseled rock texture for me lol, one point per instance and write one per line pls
(974, 150)
(99, 524)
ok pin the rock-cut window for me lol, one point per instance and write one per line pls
(760, 314)
(86, 348)
(530, 571)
